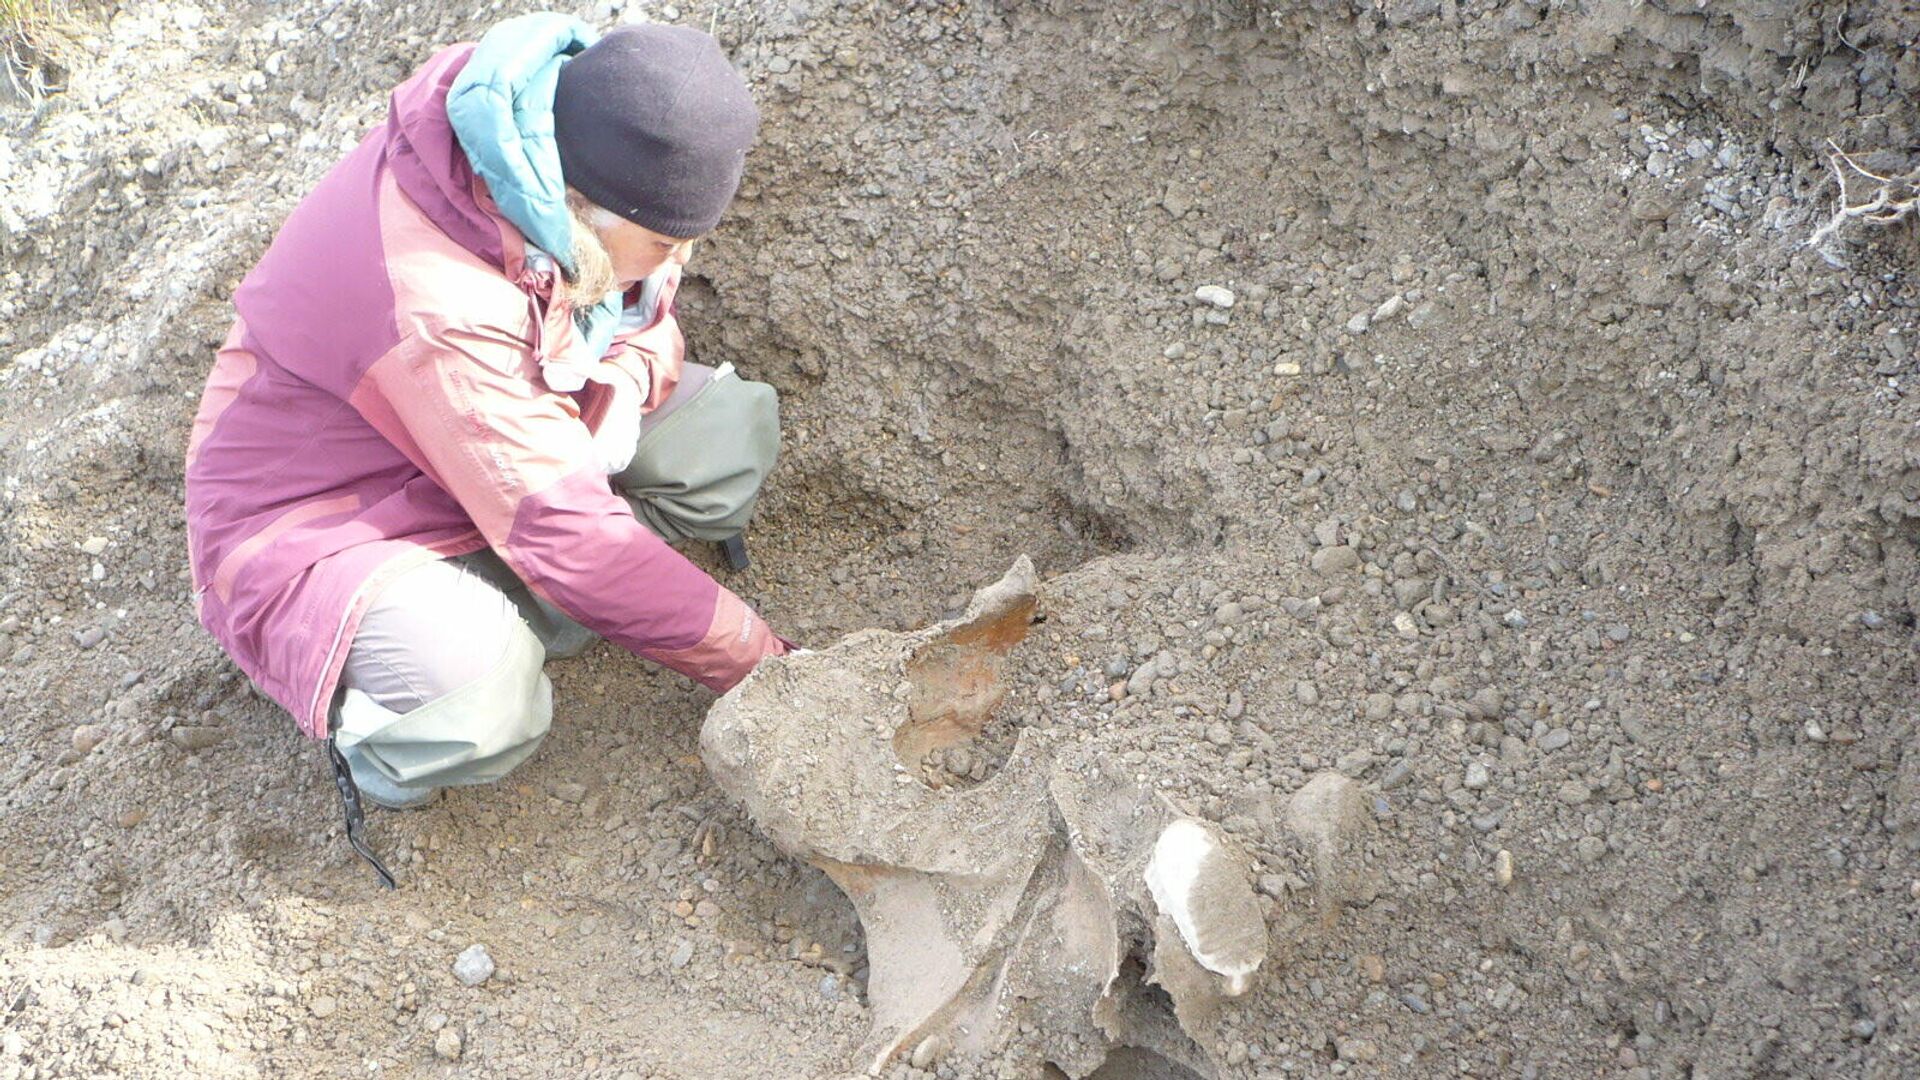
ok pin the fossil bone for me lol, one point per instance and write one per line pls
(982, 904)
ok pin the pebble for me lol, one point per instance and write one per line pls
(1574, 792)
(448, 1044)
(1390, 308)
(569, 792)
(1335, 560)
(1395, 776)
(88, 736)
(323, 1006)
(682, 954)
(927, 1052)
(94, 545)
(1219, 296)
(91, 636)
(1477, 776)
(1358, 324)
(473, 966)
(191, 737)
(1590, 849)
(1354, 1049)
(1557, 739)
(1503, 868)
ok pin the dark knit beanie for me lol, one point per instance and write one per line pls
(653, 123)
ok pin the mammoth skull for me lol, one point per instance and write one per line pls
(1043, 898)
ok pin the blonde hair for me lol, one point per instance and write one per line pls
(593, 276)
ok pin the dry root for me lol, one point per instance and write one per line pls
(37, 45)
(1864, 196)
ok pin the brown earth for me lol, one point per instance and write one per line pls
(1540, 477)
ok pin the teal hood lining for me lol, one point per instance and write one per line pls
(501, 108)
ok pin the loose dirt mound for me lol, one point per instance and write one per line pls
(1443, 393)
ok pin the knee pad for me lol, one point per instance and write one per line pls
(696, 473)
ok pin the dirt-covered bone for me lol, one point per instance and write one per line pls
(1018, 899)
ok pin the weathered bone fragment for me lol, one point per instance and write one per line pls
(1023, 899)
(1195, 883)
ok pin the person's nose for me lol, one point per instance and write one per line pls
(681, 253)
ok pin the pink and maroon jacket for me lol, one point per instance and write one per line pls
(379, 403)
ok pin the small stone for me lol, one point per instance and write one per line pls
(1503, 868)
(448, 1044)
(1306, 693)
(94, 545)
(323, 1006)
(1864, 1028)
(927, 1052)
(1216, 295)
(1477, 776)
(682, 954)
(88, 736)
(1514, 619)
(1352, 1049)
(473, 966)
(1396, 775)
(1557, 739)
(1574, 792)
(569, 792)
(1219, 735)
(1358, 324)
(1590, 849)
(192, 737)
(1335, 560)
(1373, 968)
(91, 636)
(1390, 308)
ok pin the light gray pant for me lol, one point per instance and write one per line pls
(443, 684)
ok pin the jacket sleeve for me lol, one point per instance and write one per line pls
(466, 404)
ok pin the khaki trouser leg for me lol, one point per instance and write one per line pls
(443, 685)
(474, 735)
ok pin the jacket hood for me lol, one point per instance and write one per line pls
(501, 107)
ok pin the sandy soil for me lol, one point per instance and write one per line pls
(1540, 477)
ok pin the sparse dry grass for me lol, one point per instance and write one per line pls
(36, 44)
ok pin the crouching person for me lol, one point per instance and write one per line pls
(451, 432)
